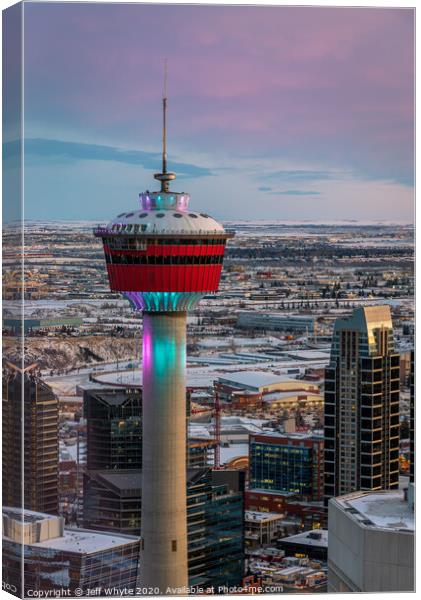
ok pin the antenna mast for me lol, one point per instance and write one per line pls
(164, 121)
(164, 177)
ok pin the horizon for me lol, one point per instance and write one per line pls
(361, 222)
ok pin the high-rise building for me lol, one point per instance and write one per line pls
(164, 258)
(112, 502)
(30, 421)
(61, 561)
(362, 405)
(371, 543)
(114, 428)
(114, 431)
(291, 464)
(411, 492)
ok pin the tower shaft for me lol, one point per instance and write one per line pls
(164, 516)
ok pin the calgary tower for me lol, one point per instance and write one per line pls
(164, 259)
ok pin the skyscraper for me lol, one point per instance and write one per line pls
(30, 425)
(114, 428)
(114, 431)
(362, 405)
(164, 258)
(411, 492)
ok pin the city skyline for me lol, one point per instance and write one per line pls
(315, 104)
(216, 396)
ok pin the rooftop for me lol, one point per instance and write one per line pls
(380, 510)
(308, 354)
(130, 482)
(316, 537)
(49, 529)
(299, 435)
(251, 515)
(85, 541)
(276, 315)
(256, 379)
(165, 221)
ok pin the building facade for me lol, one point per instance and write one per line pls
(215, 523)
(113, 501)
(306, 514)
(261, 529)
(362, 405)
(114, 428)
(275, 322)
(411, 491)
(114, 432)
(290, 464)
(30, 418)
(64, 561)
(371, 543)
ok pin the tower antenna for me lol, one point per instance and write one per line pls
(164, 120)
(165, 177)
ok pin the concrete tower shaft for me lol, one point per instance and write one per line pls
(164, 518)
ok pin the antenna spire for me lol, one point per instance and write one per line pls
(164, 121)
(164, 177)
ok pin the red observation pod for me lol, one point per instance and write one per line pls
(163, 256)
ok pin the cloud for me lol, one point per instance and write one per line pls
(301, 175)
(317, 85)
(264, 188)
(38, 149)
(295, 193)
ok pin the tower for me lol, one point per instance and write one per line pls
(362, 405)
(164, 259)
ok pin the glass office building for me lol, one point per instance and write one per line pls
(63, 561)
(114, 428)
(112, 502)
(291, 464)
(215, 523)
(114, 431)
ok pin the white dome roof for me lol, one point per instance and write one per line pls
(165, 221)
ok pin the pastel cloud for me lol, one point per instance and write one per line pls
(60, 150)
(295, 193)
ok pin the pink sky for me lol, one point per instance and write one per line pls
(254, 91)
